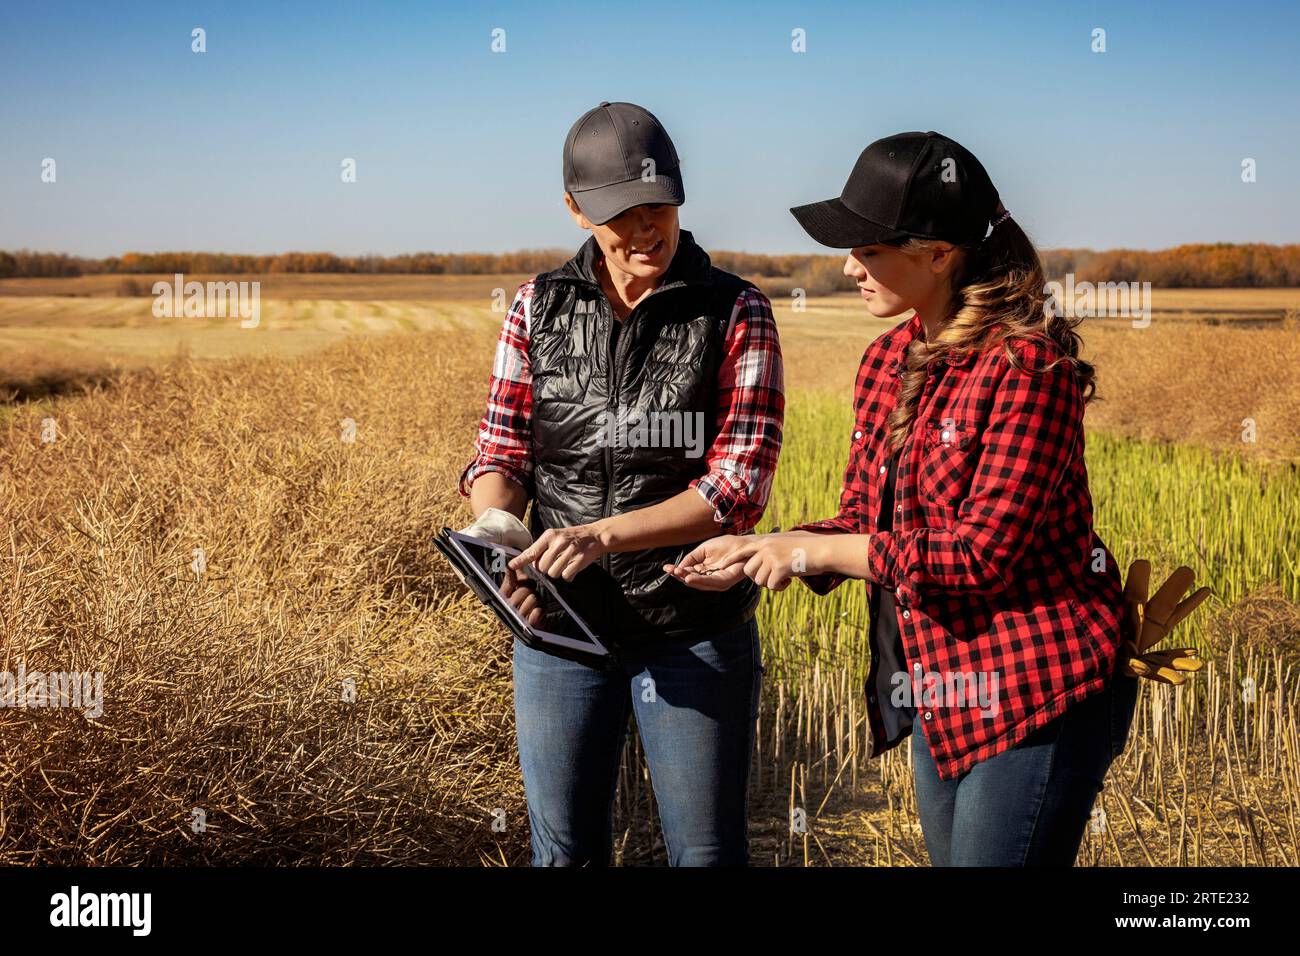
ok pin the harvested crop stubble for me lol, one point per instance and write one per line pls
(225, 692)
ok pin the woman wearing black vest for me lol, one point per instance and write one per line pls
(636, 401)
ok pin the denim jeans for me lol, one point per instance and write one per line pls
(695, 705)
(1027, 806)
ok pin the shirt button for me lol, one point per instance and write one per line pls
(928, 715)
(899, 508)
(882, 469)
(857, 435)
(944, 435)
(907, 615)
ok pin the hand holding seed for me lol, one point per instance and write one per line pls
(715, 565)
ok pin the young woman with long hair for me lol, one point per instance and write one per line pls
(995, 609)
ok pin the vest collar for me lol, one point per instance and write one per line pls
(690, 262)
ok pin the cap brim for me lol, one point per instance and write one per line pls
(603, 203)
(833, 224)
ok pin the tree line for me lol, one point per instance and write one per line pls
(1205, 265)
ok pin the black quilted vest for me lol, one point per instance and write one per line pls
(592, 374)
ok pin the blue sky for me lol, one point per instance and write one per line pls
(239, 149)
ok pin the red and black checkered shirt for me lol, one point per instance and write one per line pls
(751, 406)
(1006, 598)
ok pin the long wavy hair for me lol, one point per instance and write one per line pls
(998, 295)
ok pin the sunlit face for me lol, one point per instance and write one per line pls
(892, 281)
(640, 241)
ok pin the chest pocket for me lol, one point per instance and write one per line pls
(947, 459)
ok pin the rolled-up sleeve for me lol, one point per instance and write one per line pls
(504, 442)
(742, 459)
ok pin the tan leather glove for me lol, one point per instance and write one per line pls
(1148, 622)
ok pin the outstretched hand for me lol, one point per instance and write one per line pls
(716, 565)
(770, 560)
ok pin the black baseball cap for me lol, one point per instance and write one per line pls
(605, 166)
(921, 185)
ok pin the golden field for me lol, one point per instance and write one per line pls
(227, 689)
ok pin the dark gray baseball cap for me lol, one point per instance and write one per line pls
(617, 156)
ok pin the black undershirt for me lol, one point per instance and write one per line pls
(887, 657)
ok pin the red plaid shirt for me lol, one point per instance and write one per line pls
(751, 407)
(995, 567)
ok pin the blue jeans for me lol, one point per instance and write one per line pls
(695, 706)
(1027, 806)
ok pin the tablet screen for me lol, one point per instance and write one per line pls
(561, 627)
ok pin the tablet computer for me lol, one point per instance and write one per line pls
(482, 566)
